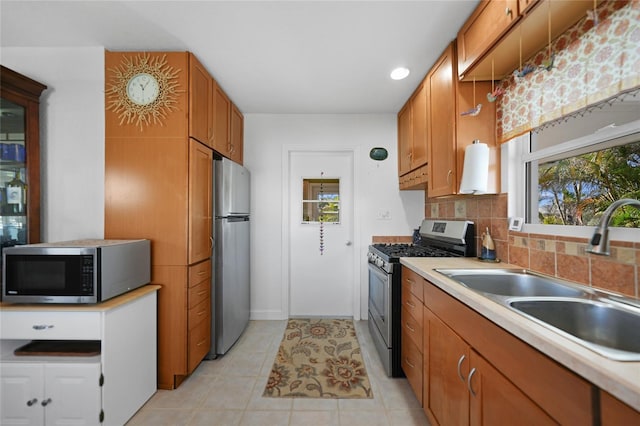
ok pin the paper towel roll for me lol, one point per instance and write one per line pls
(475, 172)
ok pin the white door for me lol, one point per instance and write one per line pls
(321, 267)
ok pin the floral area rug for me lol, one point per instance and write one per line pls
(319, 358)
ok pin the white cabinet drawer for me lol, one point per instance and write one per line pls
(50, 325)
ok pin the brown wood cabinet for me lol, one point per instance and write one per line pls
(20, 96)
(201, 112)
(489, 21)
(158, 185)
(450, 132)
(614, 412)
(474, 372)
(412, 133)
(222, 122)
(412, 333)
(500, 32)
(237, 135)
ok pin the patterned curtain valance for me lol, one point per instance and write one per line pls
(595, 60)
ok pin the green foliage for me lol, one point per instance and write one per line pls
(577, 190)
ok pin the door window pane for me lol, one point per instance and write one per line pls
(321, 200)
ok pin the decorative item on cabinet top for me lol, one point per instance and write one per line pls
(143, 90)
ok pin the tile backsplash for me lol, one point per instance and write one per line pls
(564, 257)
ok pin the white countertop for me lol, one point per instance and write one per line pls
(621, 379)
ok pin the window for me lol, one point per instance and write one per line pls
(563, 177)
(321, 200)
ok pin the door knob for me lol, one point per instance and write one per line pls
(348, 243)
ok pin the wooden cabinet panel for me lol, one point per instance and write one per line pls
(496, 401)
(411, 363)
(614, 412)
(419, 126)
(199, 272)
(559, 392)
(411, 328)
(237, 135)
(199, 313)
(449, 369)
(222, 122)
(199, 292)
(405, 139)
(412, 304)
(147, 194)
(413, 282)
(199, 343)
(442, 147)
(200, 201)
(200, 102)
(490, 20)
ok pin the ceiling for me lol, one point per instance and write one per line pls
(269, 56)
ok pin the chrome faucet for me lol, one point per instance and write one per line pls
(599, 243)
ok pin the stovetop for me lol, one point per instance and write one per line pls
(395, 251)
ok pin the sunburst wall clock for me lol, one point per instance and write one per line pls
(143, 90)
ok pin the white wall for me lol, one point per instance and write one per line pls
(71, 139)
(376, 184)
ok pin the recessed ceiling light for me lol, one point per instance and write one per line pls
(399, 73)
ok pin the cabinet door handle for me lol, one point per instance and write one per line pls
(449, 176)
(41, 326)
(508, 11)
(473, 371)
(408, 363)
(409, 327)
(46, 402)
(460, 361)
(32, 401)
(411, 281)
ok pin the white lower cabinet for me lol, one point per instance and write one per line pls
(50, 393)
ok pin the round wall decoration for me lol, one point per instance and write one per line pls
(378, 154)
(143, 90)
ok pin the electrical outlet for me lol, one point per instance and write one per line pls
(384, 215)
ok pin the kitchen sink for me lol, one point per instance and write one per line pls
(606, 323)
(511, 282)
(608, 328)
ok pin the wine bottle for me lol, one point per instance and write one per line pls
(16, 195)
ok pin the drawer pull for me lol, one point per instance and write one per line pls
(202, 272)
(41, 326)
(473, 371)
(46, 402)
(409, 327)
(200, 293)
(410, 281)
(508, 11)
(460, 361)
(202, 342)
(409, 363)
(202, 313)
(411, 305)
(31, 402)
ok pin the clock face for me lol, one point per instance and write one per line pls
(143, 89)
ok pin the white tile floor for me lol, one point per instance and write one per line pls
(228, 391)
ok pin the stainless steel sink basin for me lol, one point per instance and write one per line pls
(511, 282)
(608, 328)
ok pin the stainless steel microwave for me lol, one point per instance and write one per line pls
(80, 271)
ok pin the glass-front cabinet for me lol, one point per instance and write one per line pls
(19, 158)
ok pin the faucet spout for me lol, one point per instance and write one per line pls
(599, 243)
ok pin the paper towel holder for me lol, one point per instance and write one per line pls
(475, 171)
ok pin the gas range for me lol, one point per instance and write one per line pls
(438, 238)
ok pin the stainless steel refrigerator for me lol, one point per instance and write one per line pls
(230, 291)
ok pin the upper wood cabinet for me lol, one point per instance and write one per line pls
(451, 129)
(20, 157)
(500, 32)
(490, 20)
(412, 132)
(237, 135)
(442, 119)
(201, 106)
